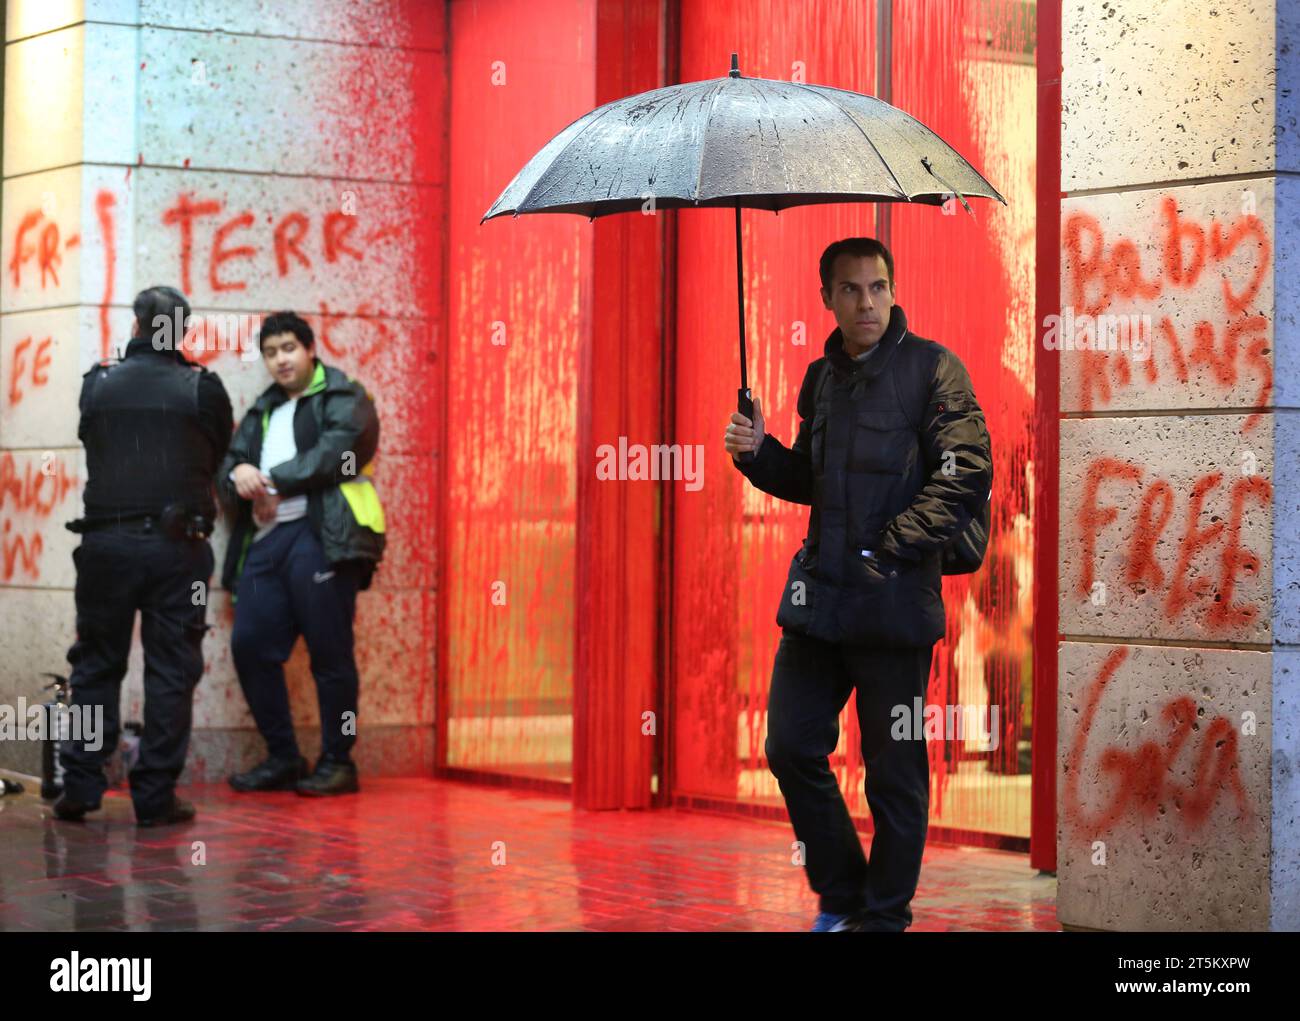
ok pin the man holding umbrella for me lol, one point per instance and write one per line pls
(893, 457)
(892, 454)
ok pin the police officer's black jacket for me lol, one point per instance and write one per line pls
(155, 426)
(893, 456)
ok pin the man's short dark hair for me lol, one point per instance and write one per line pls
(153, 302)
(286, 322)
(854, 246)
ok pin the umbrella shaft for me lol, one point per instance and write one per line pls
(740, 297)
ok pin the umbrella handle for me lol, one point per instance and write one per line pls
(745, 405)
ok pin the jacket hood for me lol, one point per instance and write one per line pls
(873, 366)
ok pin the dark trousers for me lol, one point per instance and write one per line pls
(288, 588)
(120, 571)
(811, 683)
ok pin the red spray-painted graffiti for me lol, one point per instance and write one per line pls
(1143, 780)
(1098, 274)
(28, 364)
(339, 236)
(1151, 516)
(104, 203)
(380, 337)
(34, 491)
(45, 250)
(211, 334)
(287, 240)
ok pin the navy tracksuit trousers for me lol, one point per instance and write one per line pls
(811, 683)
(288, 588)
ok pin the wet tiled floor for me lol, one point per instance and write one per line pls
(444, 855)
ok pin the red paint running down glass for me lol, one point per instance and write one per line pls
(518, 310)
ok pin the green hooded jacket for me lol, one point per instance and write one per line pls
(336, 431)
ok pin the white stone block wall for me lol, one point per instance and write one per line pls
(1177, 792)
(260, 155)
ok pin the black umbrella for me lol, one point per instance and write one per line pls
(740, 142)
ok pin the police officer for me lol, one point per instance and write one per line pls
(155, 427)
(893, 458)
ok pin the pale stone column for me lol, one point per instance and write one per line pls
(261, 157)
(1178, 798)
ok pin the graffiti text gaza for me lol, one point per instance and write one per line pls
(1142, 784)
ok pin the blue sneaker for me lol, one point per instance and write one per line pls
(828, 922)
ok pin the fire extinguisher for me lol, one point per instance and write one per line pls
(57, 729)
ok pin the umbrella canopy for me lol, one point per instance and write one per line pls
(740, 142)
(752, 142)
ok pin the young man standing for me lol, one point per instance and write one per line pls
(893, 458)
(308, 534)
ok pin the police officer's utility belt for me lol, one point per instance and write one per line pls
(174, 521)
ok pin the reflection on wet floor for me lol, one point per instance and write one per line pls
(442, 855)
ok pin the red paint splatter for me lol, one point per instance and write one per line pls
(104, 202)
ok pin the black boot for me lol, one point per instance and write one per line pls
(180, 811)
(329, 778)
(70, 810)
(271, 775)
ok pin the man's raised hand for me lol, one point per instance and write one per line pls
(742, 434)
